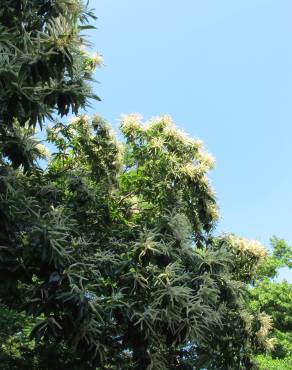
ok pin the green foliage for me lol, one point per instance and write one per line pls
(107, 259)
(18, 144)
(167, 170)
(42, 64)
(275, 298)
(44, 68)
(281, 256)
(16, 347)
(152, 294)
(269, 363)
(109, 248)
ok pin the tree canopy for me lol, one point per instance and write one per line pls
(108, 256)
(111, 250)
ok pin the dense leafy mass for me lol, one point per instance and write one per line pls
(111, 252)
(275, 298)
(42, 63)
(107, 254)
(44, 67)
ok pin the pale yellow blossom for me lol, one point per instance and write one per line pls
(96, 60)
(248, 320)
(157, 143)
(131, 122)
(196, 143)
(213, 211)
(206, 159)
(44, 152)
(162, 121)
(243, 245)
(266, 323)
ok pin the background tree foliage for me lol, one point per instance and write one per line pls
(107, 253)
(275, 298)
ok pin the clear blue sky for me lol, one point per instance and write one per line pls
(223, 71)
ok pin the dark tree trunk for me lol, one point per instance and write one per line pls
(139, 346)
(140, 355)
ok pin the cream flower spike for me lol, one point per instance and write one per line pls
(97, 59)
(164, 120)
(266, 322)
(44, 151)
(131, 121)
(245, 245)
(206, 159)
